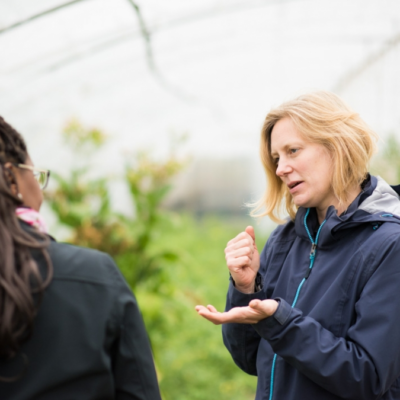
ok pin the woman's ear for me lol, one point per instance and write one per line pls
(10, 178)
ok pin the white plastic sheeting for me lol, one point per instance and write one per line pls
(220, 66)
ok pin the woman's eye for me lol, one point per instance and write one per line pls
(293, 151)
(276, 161)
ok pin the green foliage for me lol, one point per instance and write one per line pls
(193, 361)
(79, 138)
(148, 183)
(172, 262)
(83, 204)
(386, 162)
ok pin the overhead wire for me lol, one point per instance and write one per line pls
(345, 80)
(37, 16)
(147, 33)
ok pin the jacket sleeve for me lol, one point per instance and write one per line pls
(366, 362)
(242, 340)
(133, 367)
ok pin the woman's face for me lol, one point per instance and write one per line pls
(306, 168)
(28, 186)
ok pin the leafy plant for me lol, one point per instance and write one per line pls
(171, 261)
(386, 162)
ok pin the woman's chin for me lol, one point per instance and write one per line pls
(300, 202)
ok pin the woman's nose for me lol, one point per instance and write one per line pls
(283, 167)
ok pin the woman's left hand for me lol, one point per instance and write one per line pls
(253, 313)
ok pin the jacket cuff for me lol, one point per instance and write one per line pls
(267, 327)
(239, 299)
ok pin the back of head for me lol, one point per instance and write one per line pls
(19, 277)
(320, 117)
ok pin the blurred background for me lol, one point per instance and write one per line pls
(148, 114)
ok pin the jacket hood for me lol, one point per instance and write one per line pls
(383, 199)
(377, 203)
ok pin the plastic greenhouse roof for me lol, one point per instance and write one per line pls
(209, 68)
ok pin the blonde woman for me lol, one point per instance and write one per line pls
(315, 315)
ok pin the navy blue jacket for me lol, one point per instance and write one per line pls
(336, 332)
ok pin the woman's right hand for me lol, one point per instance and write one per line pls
(243, 260)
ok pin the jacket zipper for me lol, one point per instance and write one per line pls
(313, 253)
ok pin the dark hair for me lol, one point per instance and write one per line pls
(21, 283)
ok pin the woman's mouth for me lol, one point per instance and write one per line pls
(293, 186)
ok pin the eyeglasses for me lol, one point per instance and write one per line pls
(41, 175)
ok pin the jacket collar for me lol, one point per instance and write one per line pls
(34, 232)
(377, 203)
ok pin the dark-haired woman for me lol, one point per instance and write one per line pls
(315, 315)
(70, 327)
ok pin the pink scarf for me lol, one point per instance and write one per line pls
(32, 217)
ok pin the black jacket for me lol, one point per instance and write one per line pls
(89, 340)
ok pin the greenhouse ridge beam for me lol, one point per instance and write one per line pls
(36, 16)
(146, 35)
(371, 60)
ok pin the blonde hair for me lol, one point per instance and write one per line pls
(320, 117)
